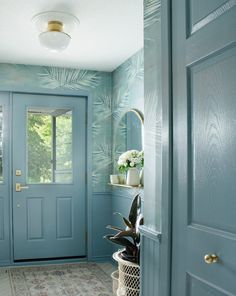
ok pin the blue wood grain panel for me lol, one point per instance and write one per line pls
(1, 218)
(101, 217)
(35, 221)
(64, 217)
(197, 286)
(213, 107)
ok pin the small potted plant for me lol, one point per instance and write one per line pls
(130, 161)
(129, 238)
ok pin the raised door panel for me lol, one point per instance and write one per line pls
(64, 217)
(35, 218)
(199, 287)
(200, 13)
(212, 92)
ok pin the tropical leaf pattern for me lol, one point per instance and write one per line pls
(151, 12)
(103, 104)
(127, 95)
(135, 68)
(75, 79)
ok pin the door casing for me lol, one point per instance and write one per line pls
(8, 95)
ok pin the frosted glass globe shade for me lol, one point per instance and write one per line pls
(54, 41)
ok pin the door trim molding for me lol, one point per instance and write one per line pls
(150, 233)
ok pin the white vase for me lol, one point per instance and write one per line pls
(133, 177)
(141, 176)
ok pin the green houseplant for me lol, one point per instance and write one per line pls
(129, 237)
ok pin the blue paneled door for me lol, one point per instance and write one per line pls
(204, 146)
(49, 167)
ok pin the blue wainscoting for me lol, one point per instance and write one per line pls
(101, 217)
(150, 258)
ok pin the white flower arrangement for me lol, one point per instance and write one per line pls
(130, 159)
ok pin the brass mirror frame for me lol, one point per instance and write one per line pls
(138, 113)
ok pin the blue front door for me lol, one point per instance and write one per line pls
(49, 165)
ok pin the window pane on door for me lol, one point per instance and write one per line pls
(49, 145)
(63, 167)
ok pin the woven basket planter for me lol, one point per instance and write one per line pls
(129, 277)
(115, 282)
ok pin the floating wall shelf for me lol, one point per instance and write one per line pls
(126, 186)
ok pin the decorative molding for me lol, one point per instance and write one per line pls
(106, 258)
(101, 193)
(150, 233)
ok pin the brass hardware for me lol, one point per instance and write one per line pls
(18, 172)
(211, 258)
(19, 187)
(55, 26)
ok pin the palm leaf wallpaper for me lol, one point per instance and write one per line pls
(153, 110)
(75, 79)
(128, 93)
(112, 94)
(151, 12)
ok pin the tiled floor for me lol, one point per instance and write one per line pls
(5, 286)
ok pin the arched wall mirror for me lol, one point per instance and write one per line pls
(129, 133)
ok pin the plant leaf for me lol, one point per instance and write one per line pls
(135, 210)
(114, 228)
(126, 221)
(120, 241)
(130, 232)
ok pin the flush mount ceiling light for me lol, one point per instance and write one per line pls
(55, 28)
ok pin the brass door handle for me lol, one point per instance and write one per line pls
(19, 187)
(211, 258)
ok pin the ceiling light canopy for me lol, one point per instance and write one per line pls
(55, 28)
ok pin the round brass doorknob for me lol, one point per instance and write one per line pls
(211, 258)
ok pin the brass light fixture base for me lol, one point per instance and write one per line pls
(55, 26)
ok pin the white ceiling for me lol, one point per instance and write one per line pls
(110, 31)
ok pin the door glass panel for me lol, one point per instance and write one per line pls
(1, 145)
(49, 145)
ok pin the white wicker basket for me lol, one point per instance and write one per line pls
(129, 277)
(115, 281)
